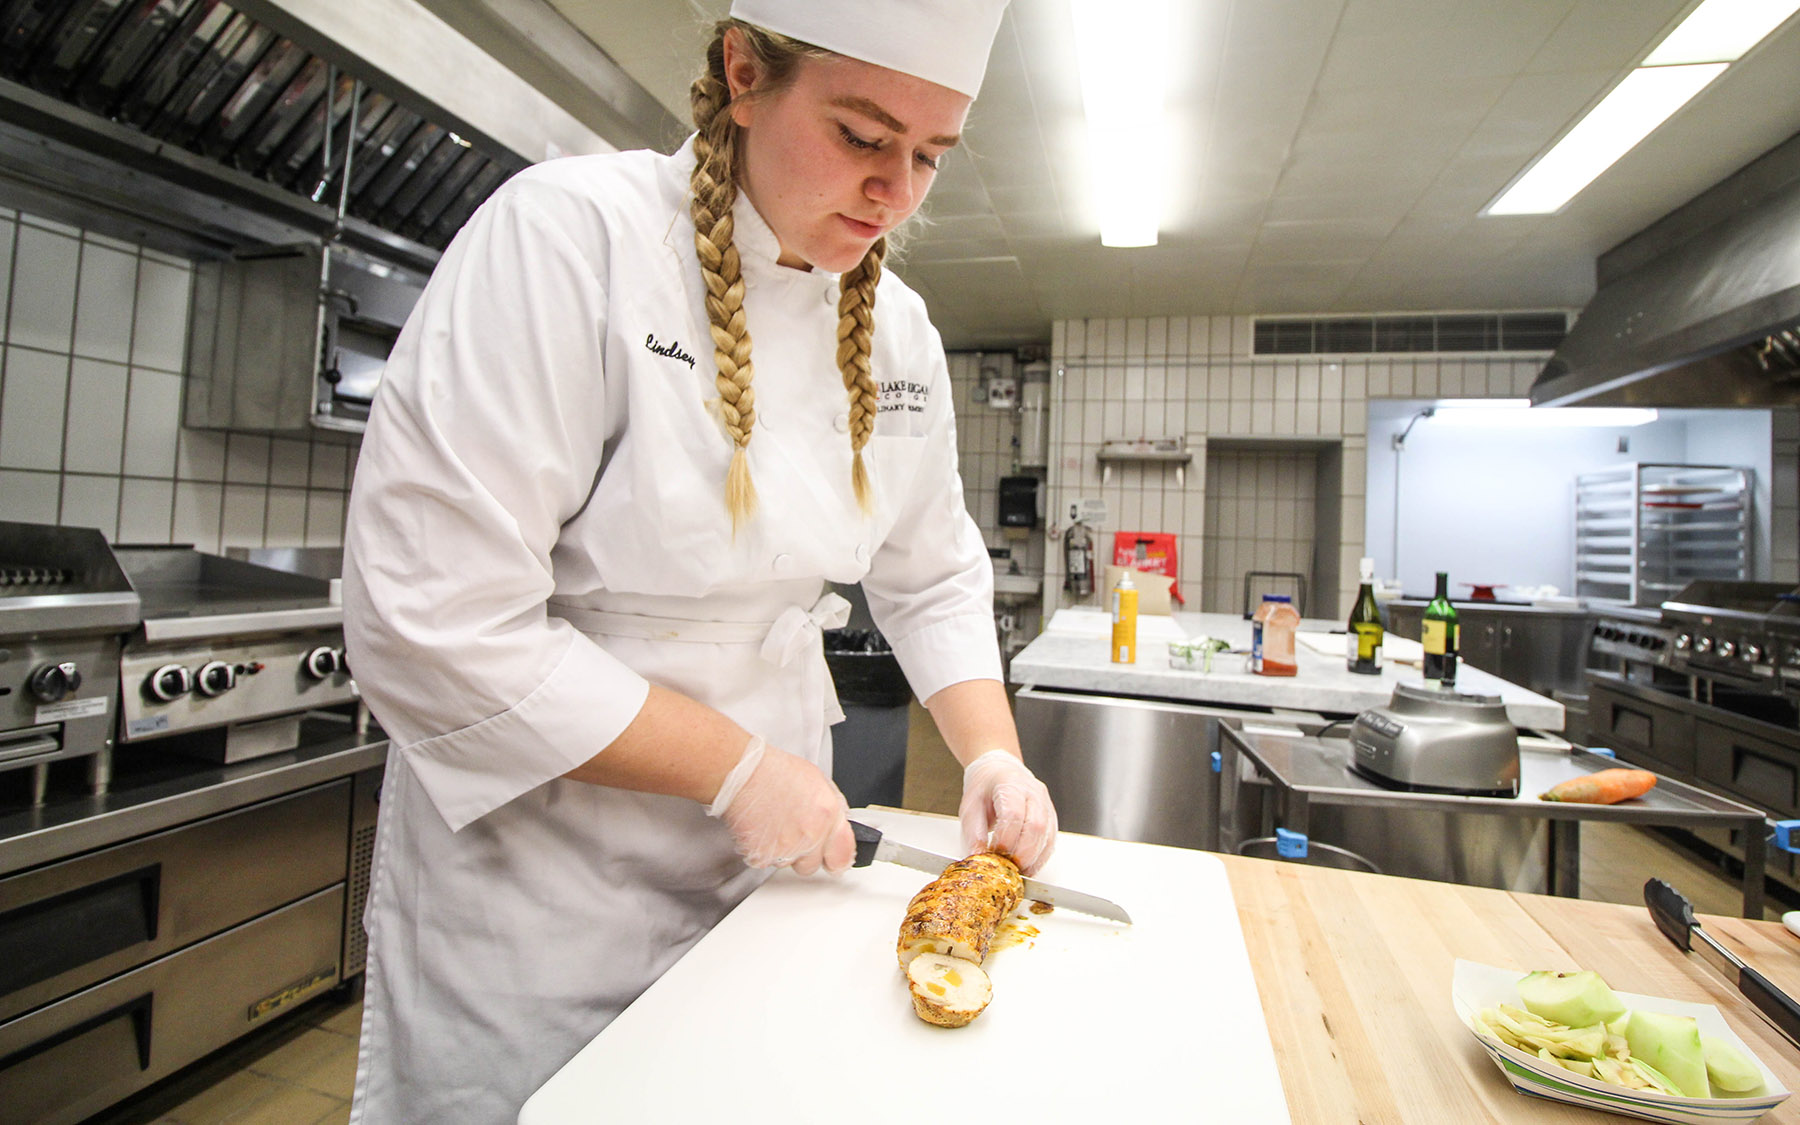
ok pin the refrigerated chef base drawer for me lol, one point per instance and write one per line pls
(71, 924)
(67, 1061)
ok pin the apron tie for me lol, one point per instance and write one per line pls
(796, 629)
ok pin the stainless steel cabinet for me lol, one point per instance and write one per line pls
(1132, 769)
(73, 923)
(73, 1058)
(1545, 650)
(123, 964)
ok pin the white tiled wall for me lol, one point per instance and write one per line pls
(1260, 513)
(1195, 377)
(986, 439)
(94, 331)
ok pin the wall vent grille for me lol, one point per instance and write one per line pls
(1451, 332)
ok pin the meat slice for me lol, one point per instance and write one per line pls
(947, 991)
(957, 913)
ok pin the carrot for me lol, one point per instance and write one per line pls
(1605, 787)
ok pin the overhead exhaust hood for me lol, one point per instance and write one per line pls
(206, 124)
(1700, 309)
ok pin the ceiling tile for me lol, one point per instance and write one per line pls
(1326, 155)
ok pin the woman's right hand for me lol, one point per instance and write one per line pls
(789, 814)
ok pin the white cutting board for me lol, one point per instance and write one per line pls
(794, 1009)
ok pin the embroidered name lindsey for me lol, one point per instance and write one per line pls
(673, 351)
(899, 394)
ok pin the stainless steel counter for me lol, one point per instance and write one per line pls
(155, 790)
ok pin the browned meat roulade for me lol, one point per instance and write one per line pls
(953, 919)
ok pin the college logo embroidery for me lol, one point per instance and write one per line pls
(672, 350)
(902, 410)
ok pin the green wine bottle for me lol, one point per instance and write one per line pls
(1440, 635)
(1362, 649)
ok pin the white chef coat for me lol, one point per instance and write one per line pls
(537, 532)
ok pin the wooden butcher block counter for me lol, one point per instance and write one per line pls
(1248, 991)
(1354, 973)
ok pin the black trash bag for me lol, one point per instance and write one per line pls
(865, 669)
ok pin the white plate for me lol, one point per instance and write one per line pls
(1477, 987)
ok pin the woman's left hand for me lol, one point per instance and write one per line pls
(1005, 808)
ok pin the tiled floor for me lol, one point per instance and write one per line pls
(303, 1070)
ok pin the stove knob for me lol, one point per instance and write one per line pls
(1682, 642)
(169, 683)
(1727, 649)
(215, 678)
(1753, 653)
(52, 682)
(1704, 644)
(324, 662)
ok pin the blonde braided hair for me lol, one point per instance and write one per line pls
(714, 189)
(856, 328)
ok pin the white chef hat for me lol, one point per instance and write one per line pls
(942, 41)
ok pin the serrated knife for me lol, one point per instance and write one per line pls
(1674, 916)
(871, 845)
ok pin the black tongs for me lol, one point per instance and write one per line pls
(1674, 916)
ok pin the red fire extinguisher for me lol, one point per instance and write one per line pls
(1078, 557)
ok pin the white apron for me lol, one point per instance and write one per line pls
(658, 877)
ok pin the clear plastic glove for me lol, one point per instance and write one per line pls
(784, 812)
(1005, 808)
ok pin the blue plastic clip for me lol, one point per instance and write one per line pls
(1290, 845)
(1218, 761)
(1603, 751)
(1784, 835)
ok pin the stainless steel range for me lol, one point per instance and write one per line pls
(1746, 634)
(1631, 635)
(231, 648)
(1709, 693)
(64, 605)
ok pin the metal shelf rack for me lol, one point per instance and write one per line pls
(1643, 531)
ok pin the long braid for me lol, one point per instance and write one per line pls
(714, 187)
(856, 327)
(715, 190)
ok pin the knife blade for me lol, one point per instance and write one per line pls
(871, 845)
(1674, 916)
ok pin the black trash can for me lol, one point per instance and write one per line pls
(868, 756)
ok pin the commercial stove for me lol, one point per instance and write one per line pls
(1709, 692)
(230, 648)
(64, 605)
(1746, 634)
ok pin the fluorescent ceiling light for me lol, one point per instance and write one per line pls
(1518, 413)
(1624, 117)
(1721, 31)
(1121, 49)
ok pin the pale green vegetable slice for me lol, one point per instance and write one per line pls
(1671, 1044)
(1572, 999)
(1729, 1068)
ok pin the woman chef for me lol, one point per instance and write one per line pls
(646, 409)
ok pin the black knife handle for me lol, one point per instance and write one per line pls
(866, 840)
(1671, 912)
(1774, 1003)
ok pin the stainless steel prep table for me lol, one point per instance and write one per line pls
(1303, 772)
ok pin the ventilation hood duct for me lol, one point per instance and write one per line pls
(201, 127)
(1701, 309)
